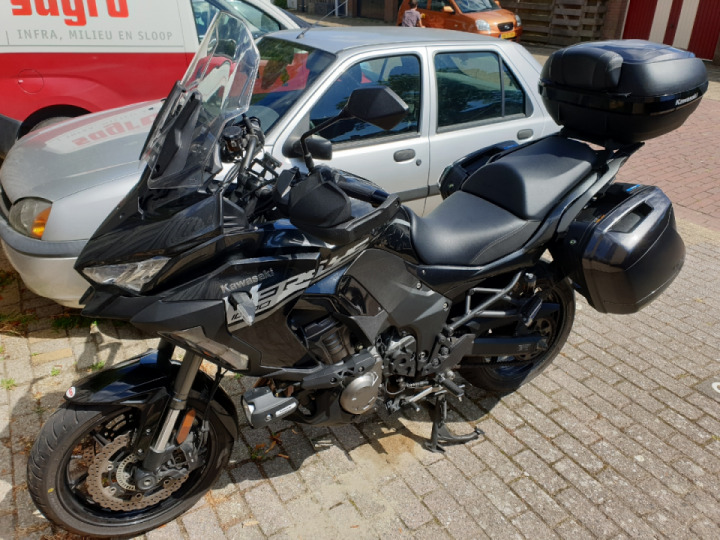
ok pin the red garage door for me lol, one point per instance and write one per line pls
(706, 30)
(639, 19)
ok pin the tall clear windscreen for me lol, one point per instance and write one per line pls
(216, 88)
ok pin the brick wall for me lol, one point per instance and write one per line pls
(615, 18)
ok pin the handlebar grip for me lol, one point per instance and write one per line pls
(363, 192)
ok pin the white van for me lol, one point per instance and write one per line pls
(64, 58)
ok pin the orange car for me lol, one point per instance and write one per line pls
(478, 16)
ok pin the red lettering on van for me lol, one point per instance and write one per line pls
(119, 10)
(74, 11)
(74, 8)
(21, 7)
(47, 7)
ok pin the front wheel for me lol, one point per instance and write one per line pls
(555, 328)
(80, 471)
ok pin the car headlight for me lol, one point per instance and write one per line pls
(482, 26)
(518, 21)
(29, 216)
(130, 276)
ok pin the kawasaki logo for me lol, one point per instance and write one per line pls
(685, 100)
(252, 280)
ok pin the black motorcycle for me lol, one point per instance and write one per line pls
(336, 297)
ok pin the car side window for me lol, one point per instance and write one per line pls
(203, 13)
(262, 22)
(438, 5)
(475, 87)
(257, 20)
(400, 73)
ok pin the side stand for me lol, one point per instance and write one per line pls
(440, 432)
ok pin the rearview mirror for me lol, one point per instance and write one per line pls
(376, 105)
(318, 147)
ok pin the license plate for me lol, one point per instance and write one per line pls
(507, 35)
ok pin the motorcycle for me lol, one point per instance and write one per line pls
(324, 287)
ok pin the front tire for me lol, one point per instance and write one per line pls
(80, 472)
(499, 379)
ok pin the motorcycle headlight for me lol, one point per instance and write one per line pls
(518, 21)
(130, 276)
(482, 26)
(29, 216)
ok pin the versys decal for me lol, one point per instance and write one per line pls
(272, 296)
(241, 308)
(247, 282)
(339, 260)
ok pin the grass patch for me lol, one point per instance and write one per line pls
(16, 324)
(55, 371)
(6, 278)
(97, 366)
(70, 321)
(8, 384)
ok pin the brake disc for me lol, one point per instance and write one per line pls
(110, 479)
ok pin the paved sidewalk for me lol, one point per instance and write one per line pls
(619, 438)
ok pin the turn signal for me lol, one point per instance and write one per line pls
(38, 226)
(30, 216)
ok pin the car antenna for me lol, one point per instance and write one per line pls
(316, 23)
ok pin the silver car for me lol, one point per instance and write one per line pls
(464, 92)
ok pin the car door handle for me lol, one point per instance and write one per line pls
(404, 155)
(524, 134)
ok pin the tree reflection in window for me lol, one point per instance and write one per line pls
(471, 89)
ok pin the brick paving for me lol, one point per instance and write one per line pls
(619, 438)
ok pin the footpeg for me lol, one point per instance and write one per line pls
(440, 431)
(263, 407)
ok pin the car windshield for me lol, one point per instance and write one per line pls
(286, 70)
(476, 6)
(216, 88)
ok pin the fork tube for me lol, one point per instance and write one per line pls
(181, 389)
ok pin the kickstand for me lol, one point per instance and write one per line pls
(440, 432)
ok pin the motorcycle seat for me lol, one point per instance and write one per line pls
(501, 205)
(529, 180)
(465, 230)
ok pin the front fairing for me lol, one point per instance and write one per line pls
(173, 207)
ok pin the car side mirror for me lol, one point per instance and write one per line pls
(376, 105)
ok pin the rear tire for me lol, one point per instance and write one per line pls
(80, 472)
(499, 379)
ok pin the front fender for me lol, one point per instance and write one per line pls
(144, 383)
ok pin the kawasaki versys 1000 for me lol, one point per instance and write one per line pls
(336, 297)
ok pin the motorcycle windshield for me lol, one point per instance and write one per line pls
(217, 87)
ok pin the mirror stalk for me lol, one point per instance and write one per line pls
(307, 156)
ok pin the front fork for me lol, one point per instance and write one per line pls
(158, 452)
